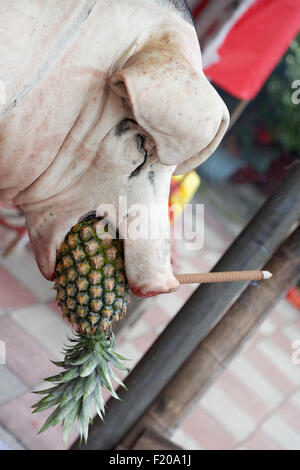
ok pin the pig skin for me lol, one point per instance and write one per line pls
(73, 70)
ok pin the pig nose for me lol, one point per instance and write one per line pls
(148, 267)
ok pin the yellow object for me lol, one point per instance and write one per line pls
(183, 188)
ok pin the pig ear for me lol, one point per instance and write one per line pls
(174, 103)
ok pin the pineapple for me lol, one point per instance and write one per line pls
(93, 293)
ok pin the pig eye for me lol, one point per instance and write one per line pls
(144, 143)
(140, 141)
(124, 126)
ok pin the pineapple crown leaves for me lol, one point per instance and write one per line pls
(78, 389)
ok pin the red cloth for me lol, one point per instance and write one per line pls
(254, 46)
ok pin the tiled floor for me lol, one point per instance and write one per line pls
(254, 404)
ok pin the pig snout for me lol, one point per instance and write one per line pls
(147, 245)
(148, 267)
(125, 166)
(147, 261)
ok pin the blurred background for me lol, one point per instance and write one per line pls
(251, 52)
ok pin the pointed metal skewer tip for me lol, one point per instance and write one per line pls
(267, 274)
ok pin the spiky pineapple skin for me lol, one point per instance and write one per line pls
(90, 280)
(92, 292)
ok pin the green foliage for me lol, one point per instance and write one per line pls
(281, 117)
(78, 389)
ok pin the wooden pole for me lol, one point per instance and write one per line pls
(214, 353)
(204, 309)
(228, 276)
(240, 107)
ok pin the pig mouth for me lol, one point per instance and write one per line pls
(140, 292)
(87, 216)
(147, 261)
(145, 279)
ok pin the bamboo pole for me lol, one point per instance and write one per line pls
(215, 352)
(204, 309)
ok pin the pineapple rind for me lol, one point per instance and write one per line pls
(92, 292)
(78, 389)
(90, 277)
